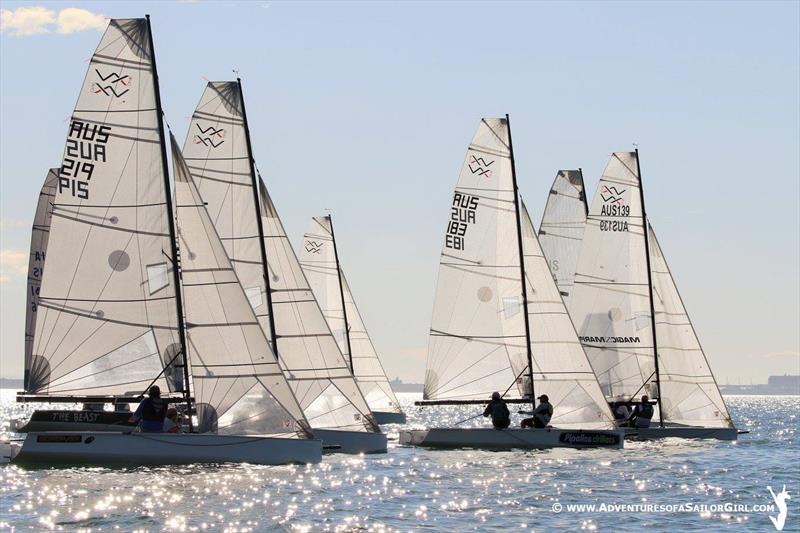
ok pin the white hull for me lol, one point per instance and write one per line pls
(334, 441)
(681, 432)
(388, 417)
(99, 448)
(504, 439)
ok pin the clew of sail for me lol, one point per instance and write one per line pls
(307, 349)
(107, 315)
(238, 385)
(610, 304)
(216, 152)
(561, 369)
(39, 236)
(319, 262)
(690, 393)
(477, 343)
(561, 230)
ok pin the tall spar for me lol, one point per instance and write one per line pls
(259, 223)
(650, 288)
(171, 225)
(341, 295)
(521, 262)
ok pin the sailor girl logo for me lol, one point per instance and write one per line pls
(614, 206)
(780, 502)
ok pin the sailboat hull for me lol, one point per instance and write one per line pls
(681, 432)
(388, 417)
(101, 448)
(64, 420)
(504, 439)
(353, 442)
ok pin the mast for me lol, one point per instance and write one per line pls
(341, 295)
(583, 192)
(259, 222)
(521, 262)
(650, 288)
(172, 237)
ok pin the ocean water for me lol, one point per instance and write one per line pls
(696, 485)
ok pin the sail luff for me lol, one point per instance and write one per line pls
(341, 296)
(40, 232)
(173, 239)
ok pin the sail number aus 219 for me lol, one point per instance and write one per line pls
(86, 145)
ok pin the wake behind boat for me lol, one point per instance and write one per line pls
(499, 323)
(119, 309)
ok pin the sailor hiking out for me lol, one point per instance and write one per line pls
(642, 414)
(498, 410)
(541, 415)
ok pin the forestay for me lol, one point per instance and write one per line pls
(307, 349)
(216, 152)
(561, 369)
(39, 236)
(610, 304)
(689, 391)
(561, 230)
(477, 342)
(237, 383)
(319, 262)
(107, 320)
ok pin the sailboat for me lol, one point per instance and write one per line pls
(110, 320)
(632, 321)
(218, 152)
(561, 229)
(499, 324)
(319, 258)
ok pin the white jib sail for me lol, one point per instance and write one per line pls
(610, 304)
(561, 230)
(217, 155)
(477, 342)
(560, 367)
(238, 385)
(318, 260)
(308, 352)
(689, 391)
(39, 236)
(107, 319)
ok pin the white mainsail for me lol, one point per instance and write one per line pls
(561, 230)
(39, 236)
(478, 342)
(561, 368)
(690, 394)
(107, 320)
(238, 385)
(610, 304)
(319, 262)
(217, 154)
(307, 349)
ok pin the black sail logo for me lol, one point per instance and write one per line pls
(614, 209)
(480, 166)
(209, 136)
(111, 84)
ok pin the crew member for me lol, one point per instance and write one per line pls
(498, 410)
(541, 415)
(151, 412)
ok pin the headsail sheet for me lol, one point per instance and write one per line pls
(308, 352)
(561, 230)
(107, 318)
(610, 304)
(217, 155)
(318, 259)
(39, 236)
(689, 391)
(238, 385)
(477, 342)
(560, 367)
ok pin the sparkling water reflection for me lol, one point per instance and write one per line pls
(430, 490)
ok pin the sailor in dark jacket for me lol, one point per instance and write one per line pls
(498, 410)
(151, 412)
(642, 414)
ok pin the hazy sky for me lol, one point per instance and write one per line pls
(367, 109)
